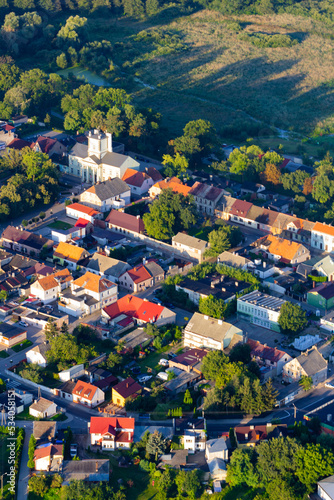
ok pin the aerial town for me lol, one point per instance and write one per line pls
(166, 250)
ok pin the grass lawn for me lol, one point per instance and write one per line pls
(4, 467)
(201, 233)
(23, 345)
(51, 494)
(142, 489)
(152, 360)
(60, 417)
(4, 354)
(25, 415)
(59, 224)
(239, 493)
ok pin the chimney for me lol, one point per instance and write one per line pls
(264, 265)
(206, 317)
(127, 385)
(138, 216)
(236, 283)
(96, 466)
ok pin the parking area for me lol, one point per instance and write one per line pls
(263, 335)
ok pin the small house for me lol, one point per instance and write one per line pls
(125, 391)
(43, 408)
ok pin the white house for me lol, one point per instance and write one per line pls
(139, 182)
(43, 408)
(216, 448)
(72, 373)
(326, 488)
(108, 194)
(190, 246)
(322, 237)
(48, 288)
(80, 211)
(37, 355)
(88, 293)
(97, 161)
(49, 458)
(112, 432)
(87, 394)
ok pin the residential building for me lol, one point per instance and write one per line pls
(72, 373)
(107, 267)
(17, 143)
(125, 391)
(286, 251)
(11, 335)
(91, 470)
(154, 174)
(48, 146)
(7, 403)
(216, 448)
(97, 161)
(251, 435)
(141, 277)
(176, 459)
(48, 288)
(43, 408)
(325, 489)
(87, 394)
(218, 285)
(112, 432)
(80, 211)
(37, 354)
(239, 210)
(231, 259)
(260, 309)
(75, 234)
(172, 183)
(298, 229)
(65, 390)
(205, 332)
(322, 237)
(224, 208)
(190, 246)
(183, 381)
(190, 360)
(268, 357)
(49, 458)
(88, 293)
(23, 241)
(139, 182)
(327, 322)
(44, 431)
(260, 218)
(217, 468)
(192, 432)
(309, 364)
(325, 267)
(106, 195)
(140, 310)
(322, 296)
(206, 197)
(125, 223)
(69, 255)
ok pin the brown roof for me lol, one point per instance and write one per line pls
(127, 388)
(45, 144)
(126, 221)
(49, 451)
(19, 144)
(154, 174)
(262, 215)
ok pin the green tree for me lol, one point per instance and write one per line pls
(277, 459)
(61, 61)
(306, 382)
(242, 468)
(156, 444)
(174, 165)
(3, 295)
(241, 352)
(314, 463)
(292, 318)
(188, 400)
(210, 306)
(323, 188)
(188, 484)
(223, 239)
(114, 360)
(31, 451)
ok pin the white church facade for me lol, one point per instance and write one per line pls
(97, 162)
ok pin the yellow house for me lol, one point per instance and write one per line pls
(124, 391)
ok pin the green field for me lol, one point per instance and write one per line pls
(59, 224)
(23, 345)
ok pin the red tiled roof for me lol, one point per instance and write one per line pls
(127, 388)
(139, 274)
(123, 437)
(284, 163)
(48, 451)
(83, 209)
(84, 390)
(154, 174)
(134, 307)
(19, 144)
(240, 208)
(134, 178)
(81, 222)
(98, 425)
(125, 221)
(45, 144)
(265, 352)
(8, 128)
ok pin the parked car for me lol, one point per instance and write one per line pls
(136, 370)
(155, 301)
(144, 378)
(73, 450)
(172, 355)
(163, 362)
(163, 376)
(23, 323)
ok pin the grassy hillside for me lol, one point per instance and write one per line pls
(205, 65)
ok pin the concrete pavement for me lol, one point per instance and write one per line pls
(24, 472)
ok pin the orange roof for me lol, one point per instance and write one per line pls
(50, 281)
(323, 228)
(69, 252)
(134, 178)
(135, 307)
(139, 274)
(83, 209)
(284, 248)
(51, 450)
(84, 390)
(175, 184)
(93, 282)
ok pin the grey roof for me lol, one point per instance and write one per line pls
(233, 260)
(91, 470)
(41, 404)
(154, 269)
(181, 380)
(79, 150)
(107, 265)
(327, 485)
(109, 188)
(41, 348)
(326, 264)
(190, 241)
(216, 445)
(216, 464)
(312, 362)
(44, 430)
(67, 386)
(10, 331)
(263, 300)
(210, 327)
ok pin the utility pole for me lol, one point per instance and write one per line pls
(294, 411)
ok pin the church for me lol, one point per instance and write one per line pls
(97, 162)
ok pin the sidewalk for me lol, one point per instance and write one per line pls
(22, 485)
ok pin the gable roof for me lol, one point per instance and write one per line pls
(240, 208)
(287, 249)
(312, 361)
(139, 274)
(174, 184)
(126, 221)
(81, 222)
(262, 215)
(191, 357)
(41, 404)
(23, 237)
(323, 228)
(45, 143)
(18, 144)
(41, 349)
(84, 390)
(153, 268)
(134, 307)
(48, 451)
(202, 325)
(109, 188)
(265, 352)
(154, 174)
(326, 264)
(44, 430)
(127, 388)
(190, 241)
(83, 209)
(99, 425)
(53, 280)
(326, 290)
(135, 178)
(93, 282)
(106, 265)
(231, 259)
(205, 191)
(69, 252)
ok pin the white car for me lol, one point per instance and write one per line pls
(163, 362)
(145, 378)
(162, 376)
(23, 323)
